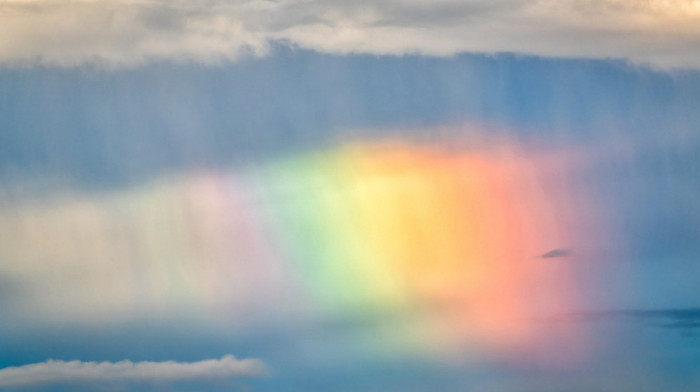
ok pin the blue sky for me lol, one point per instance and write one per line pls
(122, 124)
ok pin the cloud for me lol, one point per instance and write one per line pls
(119, 33)
(556, 253)
(685, 319)
(53, 371)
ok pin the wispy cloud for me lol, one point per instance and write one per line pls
(53, 371)
(685, 319)
(118, 33)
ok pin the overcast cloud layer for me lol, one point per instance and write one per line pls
(126, 371)
(124, 33)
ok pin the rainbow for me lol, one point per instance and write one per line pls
(361, 230)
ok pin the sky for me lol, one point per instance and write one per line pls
(306, 195)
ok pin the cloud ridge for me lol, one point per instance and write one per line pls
(127, 33)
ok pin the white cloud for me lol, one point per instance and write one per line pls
(52, 371)
(117, 33)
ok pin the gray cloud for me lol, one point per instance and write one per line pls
(554, 253)
(54, 371)
(663, 33)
